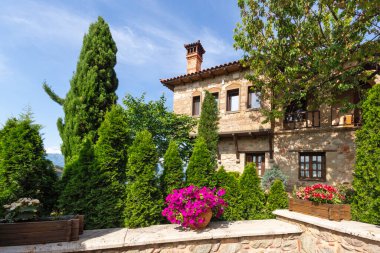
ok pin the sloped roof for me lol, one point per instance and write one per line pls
(212, 72)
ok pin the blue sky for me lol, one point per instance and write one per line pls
(41, 40)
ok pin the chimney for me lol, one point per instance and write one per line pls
(194, 56)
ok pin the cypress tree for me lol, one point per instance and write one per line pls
(92, 90)
(24, 169)
(252, 196)
(208, 124)
(172, 176)
(108, 188)
(277, 198)
(366, 202)
(230, 182)
(144, 200)
(200, 171)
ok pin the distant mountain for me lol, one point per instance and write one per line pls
(57, 159)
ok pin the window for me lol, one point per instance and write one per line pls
(196, 105)
(216, 96)
(233, 100)
(312, 166)
(253, 99)
(296, 111)
(258, 159)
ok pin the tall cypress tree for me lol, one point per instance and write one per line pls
(108, 188)
(208, 124)
(144, 200)
(366, 202)
(201, 169)
(24, 169)
(92, 90)
(172, 176)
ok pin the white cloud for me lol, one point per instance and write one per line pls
(53, 150)
(41, 22)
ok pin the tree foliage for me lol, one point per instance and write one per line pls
(92, 90)
(252, 196)
(200, 170)
(208, 124)
(271, 175)
(108, 188)
(303, 47)
(277, 198)
(230, 182)
(162, 124)
(77, 183)
(366, 202)
(24, 169)
(144, 200)
(172, 176)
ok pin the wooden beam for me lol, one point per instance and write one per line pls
(235, 137)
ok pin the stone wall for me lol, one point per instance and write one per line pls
(321, 235)
(338, 144)
(243, 120)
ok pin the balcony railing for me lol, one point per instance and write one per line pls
(302, 119)
(347, 119)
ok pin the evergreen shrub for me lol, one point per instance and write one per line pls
(252, 196)
(172, 176)
(271, 175)
(144, 199)
(200, 170)
(366, 202)
(277, 198)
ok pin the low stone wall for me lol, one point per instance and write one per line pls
(290, 232)
(224, 237)
(321, 235)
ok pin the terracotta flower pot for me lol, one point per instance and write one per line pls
(206, 216)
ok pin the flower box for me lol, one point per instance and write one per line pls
(37, 232)
(336, 212)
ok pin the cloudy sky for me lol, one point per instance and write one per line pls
(41, 40)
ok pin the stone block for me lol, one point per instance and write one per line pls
(201, 248)
(229, 248)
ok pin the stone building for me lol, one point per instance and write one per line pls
(308, 145)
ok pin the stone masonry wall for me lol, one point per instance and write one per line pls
(338, 144)
(243, 120)
(258, 244)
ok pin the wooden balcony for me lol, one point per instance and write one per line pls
(302, 119)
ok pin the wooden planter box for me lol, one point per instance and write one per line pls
(336, 212)
(24, 233)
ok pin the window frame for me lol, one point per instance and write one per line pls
(257, 154)
(193, 105)
(228, 95)
(217, 97)
(310, 164)
(249, 94)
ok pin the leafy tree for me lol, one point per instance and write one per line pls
(252, 196)
(208, 124)
(144, 200)
(92, 90)
(108, 188)
(24, 168)
(271, 175)
(277, 198)
(366, 202)
(200, 170)
(305, 47)
(230, 182)
(172, 176)
(77, 183)
(162, 124)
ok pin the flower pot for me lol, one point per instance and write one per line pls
(336, 212)
(206, 216)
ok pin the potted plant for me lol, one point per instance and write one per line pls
(22, 225)
(320, 200)
(192, 206)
